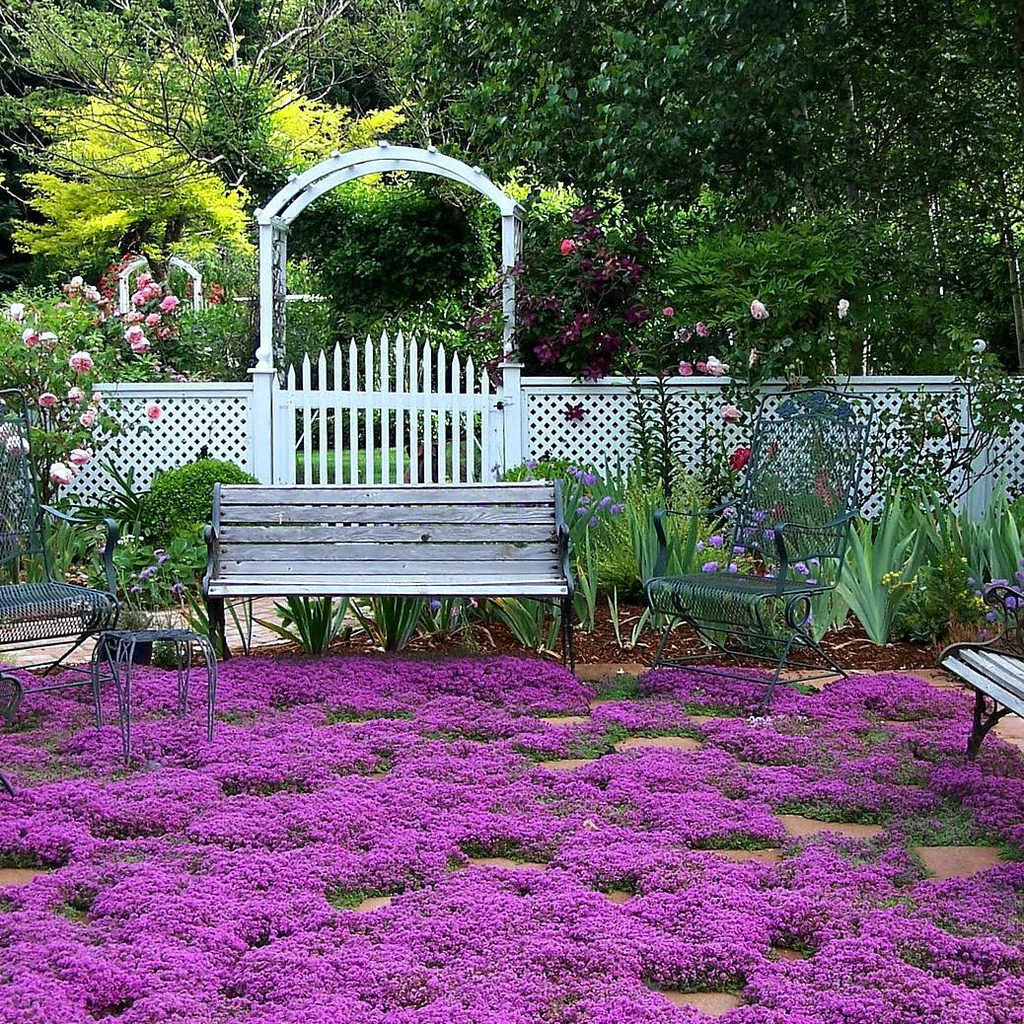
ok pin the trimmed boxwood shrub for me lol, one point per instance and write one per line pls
(181, 499)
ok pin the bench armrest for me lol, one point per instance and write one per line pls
(111, 531)
(1008, 601)
(212, 551)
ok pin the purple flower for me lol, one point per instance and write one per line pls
(709, 567)
(593, 521)
(715, 540)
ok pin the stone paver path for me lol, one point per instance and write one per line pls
(958, 861)
(713, 1004)
(662, 742)
(798, 825)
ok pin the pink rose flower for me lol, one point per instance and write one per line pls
(702, 367)
(758, 310)
(76, 395)
(730, 414)
(668, 311)
(81, 362)
(133, 317)
(153, 411)
(140, 346)
(48, 339)
(702, 330)
(91, 293)
(685, 369)
(716, 367)
(152, 291)
(568, 247)
(153, 319)
(30, 336)
(48, 400)
(76, 282)
(143, 279)
(134, 333)
(80, 456)
(61, 475)
(163, 333)
(87, 419)
(140, 299)
(96, 398)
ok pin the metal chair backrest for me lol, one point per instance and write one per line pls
(807, 458)
(21, 528)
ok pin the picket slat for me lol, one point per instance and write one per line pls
(404, 410)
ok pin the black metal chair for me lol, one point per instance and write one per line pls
(37, 613)
(790, 524)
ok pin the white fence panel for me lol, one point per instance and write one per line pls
(592, 423)
(197, 421)
(386, 413)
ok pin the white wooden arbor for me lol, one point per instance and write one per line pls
(275, 218)
(124, 291)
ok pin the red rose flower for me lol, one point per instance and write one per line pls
(739, 458)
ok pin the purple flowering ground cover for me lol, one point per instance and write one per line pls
(219, 882)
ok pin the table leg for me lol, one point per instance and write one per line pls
(121, 668)
(210, 657)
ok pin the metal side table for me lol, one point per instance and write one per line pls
(117, 648)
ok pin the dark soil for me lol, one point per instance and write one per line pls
(849, 646)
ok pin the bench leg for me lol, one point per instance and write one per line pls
(983, 722)
(568, 646)
(218, 626)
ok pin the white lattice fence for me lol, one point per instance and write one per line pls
(198, 420)
(593, 423)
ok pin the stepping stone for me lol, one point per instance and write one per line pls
(798, 825)
(714, 1004)
(567, 764)
(565, 719)
(372, 903)
(607, 670)
(377, 776)
(790, 954)
(772, 855)
(618, 896)
(1011, 730)
(664, 742)
(957, 861)
(507, 863)
(937, 677)
(19, 876)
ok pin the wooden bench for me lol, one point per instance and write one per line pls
(402, 540)
(995, 668)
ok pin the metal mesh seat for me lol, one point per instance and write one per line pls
(52, 611)
(791, 522)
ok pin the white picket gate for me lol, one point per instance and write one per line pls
(386, 412)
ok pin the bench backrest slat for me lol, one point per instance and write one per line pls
(485, 531)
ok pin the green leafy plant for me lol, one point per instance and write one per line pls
(390, 621)
(311, 622)
(534, 624)
(881, 561)
(182, 498)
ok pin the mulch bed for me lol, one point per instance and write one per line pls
(848, 646)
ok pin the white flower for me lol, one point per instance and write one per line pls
(979, 345)
(16, 311)
(716, 367)
(843, 307)
(758, 310)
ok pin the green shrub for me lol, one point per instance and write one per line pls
(183, 498)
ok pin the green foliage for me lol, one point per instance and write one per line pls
(383, 251)
(152, 579)
(181, 499)
(881, 562)
(311, 622)
(390, 621)
(216, 343)
(939, 598)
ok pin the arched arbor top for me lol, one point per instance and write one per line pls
(339, 168)
(275, 217)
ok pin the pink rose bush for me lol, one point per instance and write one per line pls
(221, 882)
(55, 351)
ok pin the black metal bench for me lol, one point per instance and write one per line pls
(400, 540)
(995, 668)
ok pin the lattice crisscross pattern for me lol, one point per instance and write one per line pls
(196, 421)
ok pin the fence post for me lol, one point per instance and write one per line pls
(262, 420)
(513, 414)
